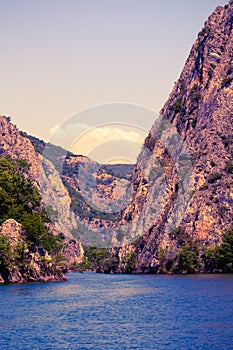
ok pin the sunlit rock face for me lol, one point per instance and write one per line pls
(12, 143)
(54, 194)
(196, 136)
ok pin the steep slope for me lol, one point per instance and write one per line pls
(24, 177)
(193, 209)
(94, 190)
(13, 144)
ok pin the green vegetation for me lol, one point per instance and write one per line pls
(227, 82)
(51, 212)
(187, 259)
(177, 106)
(55, 154)
(229, 167)
(4, 251)
(129, 262)
(224, 253)
(195, 94)
(205, 31)
(181, 236)
(83, 210)
(220, 258)
(214, 177)
(100, 259)
(20, 200)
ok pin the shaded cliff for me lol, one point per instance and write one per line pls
(183, 181)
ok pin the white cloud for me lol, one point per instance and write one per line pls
(97, 136)
(82, 139)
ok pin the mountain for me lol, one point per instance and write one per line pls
(183, 179)
(170, 213)
(43, 211)
(36, 242)
(92, 189)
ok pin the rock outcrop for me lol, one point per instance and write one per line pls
(15, 145)
(19, 264)
(183, 180)
(73, 253)
(55, 195)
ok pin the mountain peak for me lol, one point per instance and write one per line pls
(200, 110)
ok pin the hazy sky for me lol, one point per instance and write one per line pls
(62, 56)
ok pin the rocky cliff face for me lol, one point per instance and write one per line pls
(13, 144)
(96, 191)
(56, 201)
(22, 264)
(56, 196)
(183, 180)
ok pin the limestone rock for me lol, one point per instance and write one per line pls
(13, 231)
(14, 144)
(22, 264)
(73, 253)
(54, 193)
(196, 192)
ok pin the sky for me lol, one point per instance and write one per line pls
(60, 57)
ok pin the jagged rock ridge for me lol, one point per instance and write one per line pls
(200, 108)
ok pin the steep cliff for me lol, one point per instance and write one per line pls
(13, 144)
(96, 191)
(183, 181)
(25, 178)
(56, 196)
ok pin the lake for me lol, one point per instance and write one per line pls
(98, 311)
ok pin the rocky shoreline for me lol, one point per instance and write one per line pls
(33, 264)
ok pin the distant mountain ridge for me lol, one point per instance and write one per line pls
(107, 179)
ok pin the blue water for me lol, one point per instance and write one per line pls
(96, 311)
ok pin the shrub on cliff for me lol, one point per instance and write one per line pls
(220, 258)
(224, 253)
(177, 106)
(187, 259)
(100, 260)
(20, 200)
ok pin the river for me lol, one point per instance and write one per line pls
(98, 311)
